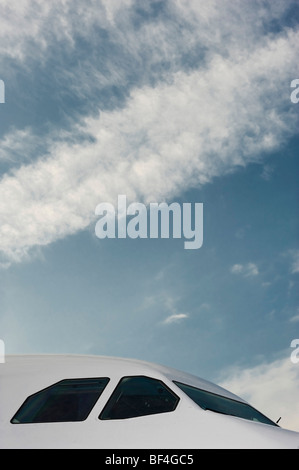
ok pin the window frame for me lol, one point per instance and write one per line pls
(170, 390)
(54, 385)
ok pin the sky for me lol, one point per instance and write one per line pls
(173, 101)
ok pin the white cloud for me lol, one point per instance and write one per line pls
(176, 318)
(272, 388)
(251, 270)
(182, 132)
(295, 263)
(209, 24)
(247, 270)
(41, 23)
(168, 302)
(237, 268)
(267, 172)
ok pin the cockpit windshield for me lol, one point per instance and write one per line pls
(220, 404)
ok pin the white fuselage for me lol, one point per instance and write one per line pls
(188, 426)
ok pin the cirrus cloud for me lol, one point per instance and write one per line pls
(192, 125)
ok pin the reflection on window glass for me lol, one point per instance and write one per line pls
(139, 396)
(219, 404)
(68, 400)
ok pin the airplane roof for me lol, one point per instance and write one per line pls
(23, 377)
(50, 368)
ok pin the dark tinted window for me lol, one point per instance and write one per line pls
(139, 396)
(68, 400)
(219, 404)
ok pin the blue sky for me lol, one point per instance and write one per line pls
(174, 101)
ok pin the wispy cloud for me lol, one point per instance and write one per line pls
(247, 270)
(168, 303)
(295, 262)
(178, 27)
(267, 172)
(175, 318)
(294, 319)
(271, 387)
(184, 129)
(40, 23)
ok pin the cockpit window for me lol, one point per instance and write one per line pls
(219, 404)
(139, 396)
(68, 400)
